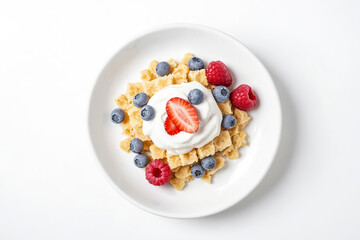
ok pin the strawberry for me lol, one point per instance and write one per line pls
(170, 127)
(183, 115)
(218, 74)
(243, 97)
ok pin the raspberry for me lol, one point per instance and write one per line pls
(218, 74)
(158, 173)
(243, 97)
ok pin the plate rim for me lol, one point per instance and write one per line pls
(213, 30)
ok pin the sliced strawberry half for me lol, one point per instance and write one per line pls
(170, 127)
(183, 115)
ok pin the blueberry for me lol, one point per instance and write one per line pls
(140, 99)
(162, 69)
(196, 96)
(141, 160)
(197, 171)
(117, 115)
(195, 63)
(221, 94)
(147, 112)
(208, 163)
(229, 121)
(136, 145)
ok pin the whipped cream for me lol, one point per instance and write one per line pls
(209, 114)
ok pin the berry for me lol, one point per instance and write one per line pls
(147, 112)
(218, 74)
(136, 145)
(117, 115)
(141, 160)
(140, 99)
(158, 173)
(228, 121)
(182, 114)
(196, 96)
(243, 97)
(195, 63)
(197, 171)
(162, 69)
(208, 163)
(221, 94)
(170, 128)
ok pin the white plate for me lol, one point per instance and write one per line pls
(232, 183)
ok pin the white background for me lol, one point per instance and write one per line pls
(50, 55)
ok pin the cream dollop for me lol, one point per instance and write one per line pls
(209, 114)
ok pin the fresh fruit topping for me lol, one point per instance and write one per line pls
(221, 94)
(228, 122)
(170, 127)
(208, 163)
(162, 69)
(117, 115)
(141, 160)
(147, 112)
(218, 74)
(140, 99)
(243, 97)
(183, 115)
(197, 171)
(195, 63)
(158, 173)
(196, 96)
(136, 145)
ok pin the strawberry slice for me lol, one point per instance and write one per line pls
(170, 127)
(183, 115)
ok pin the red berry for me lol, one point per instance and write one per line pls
(183, 115)
(170, 127)
(218, 74)
(243, 97)
(158, 173)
